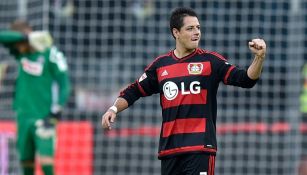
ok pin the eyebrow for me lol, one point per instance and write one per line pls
(193, 26)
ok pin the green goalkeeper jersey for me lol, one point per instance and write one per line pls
(42, 78)
(303, 97)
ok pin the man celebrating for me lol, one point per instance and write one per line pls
(187, 79)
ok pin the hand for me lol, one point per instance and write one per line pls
(51, 120)
(55, 117)
(258, 47)
(107, 119)
(40, 40)
(45, 128)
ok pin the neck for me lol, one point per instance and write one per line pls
(180, 53)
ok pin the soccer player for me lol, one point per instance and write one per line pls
(42, 89)
(187, 79)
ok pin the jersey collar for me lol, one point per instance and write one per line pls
(184, 58)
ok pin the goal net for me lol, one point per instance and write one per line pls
(109, 43)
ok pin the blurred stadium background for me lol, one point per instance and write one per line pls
(108, 43)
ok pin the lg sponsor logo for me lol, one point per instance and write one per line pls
(171, 90)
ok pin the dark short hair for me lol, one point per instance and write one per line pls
(176, 19)
(20, 26)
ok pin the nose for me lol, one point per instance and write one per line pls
(196, 32)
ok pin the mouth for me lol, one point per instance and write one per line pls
(195, 39)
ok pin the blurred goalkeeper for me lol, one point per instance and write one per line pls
(187, 79)
(42, 89)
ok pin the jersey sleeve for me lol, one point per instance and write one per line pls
(146, 85)
(59, 69)
(232, 75)
(9, 38)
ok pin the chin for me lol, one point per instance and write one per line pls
(193, 47)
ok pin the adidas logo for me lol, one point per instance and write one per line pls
(164, 73)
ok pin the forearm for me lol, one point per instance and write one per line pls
(64, 94)
(255, 69)
(8, 37)
(109, 117)
(121, 104)
(64, 89)
(131, 93)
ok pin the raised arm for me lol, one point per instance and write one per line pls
(35, 41)
(258, 47)
(10, 37)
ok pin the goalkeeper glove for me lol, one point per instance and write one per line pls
(45, 128)
(52, 119)
(49, 122)
(40, 40)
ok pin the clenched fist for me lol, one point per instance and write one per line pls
(258, 47)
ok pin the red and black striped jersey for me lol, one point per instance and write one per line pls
(187, 88)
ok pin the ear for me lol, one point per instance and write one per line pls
(175, 32)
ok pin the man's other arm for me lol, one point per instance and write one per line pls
(258, 47)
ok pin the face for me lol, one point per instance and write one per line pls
(189, 34)
(22, 47)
